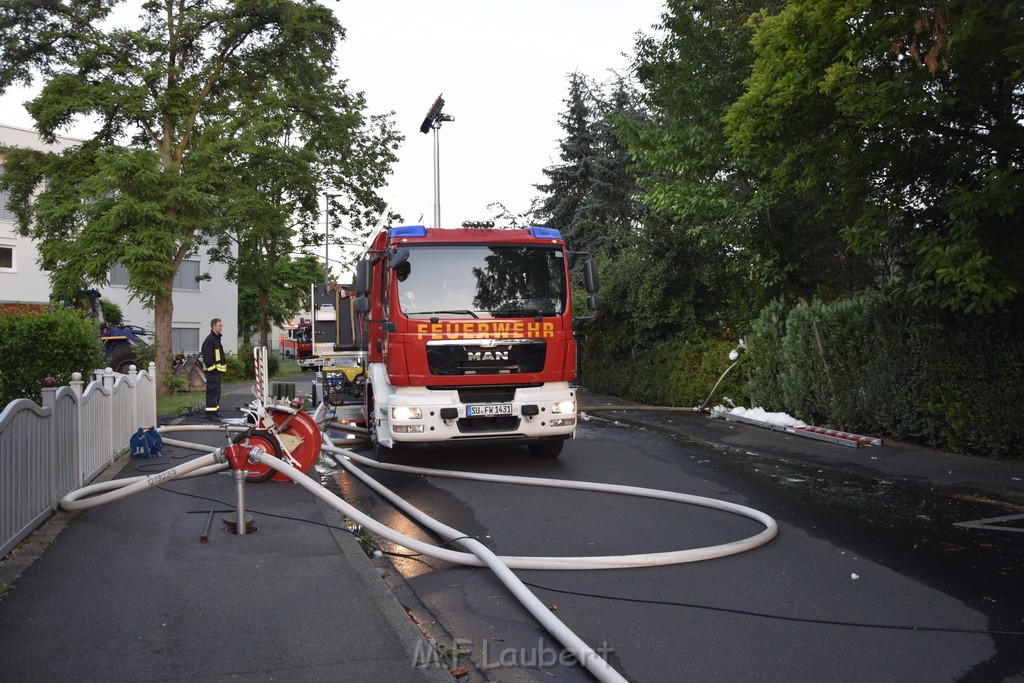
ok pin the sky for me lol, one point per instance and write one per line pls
(503, 67)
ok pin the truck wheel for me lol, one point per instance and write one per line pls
(546, 449)
(381, 453)
(122, 359)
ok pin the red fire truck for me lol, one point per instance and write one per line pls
(297, 342)
(470, 338)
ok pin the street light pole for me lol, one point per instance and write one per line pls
(433, 121)
(327, 233)
(437, 171)
(437, 167)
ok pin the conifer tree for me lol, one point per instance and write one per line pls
(570, 182)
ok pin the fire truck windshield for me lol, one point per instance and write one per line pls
(482, 281)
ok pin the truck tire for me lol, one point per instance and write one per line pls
(546, 449)
(381, 453)
(121, 359)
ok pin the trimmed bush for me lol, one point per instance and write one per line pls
(45, 343)
(238, 369)
(970, 383)
(862, 364)
(246, 368)
(764, 352)
(803, 369)
(865, 364)
(675, 373)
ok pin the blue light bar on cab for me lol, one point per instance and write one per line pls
(407, 231)
(545, 233)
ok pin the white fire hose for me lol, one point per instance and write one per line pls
(478, 554)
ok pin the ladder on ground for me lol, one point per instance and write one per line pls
(820, 433)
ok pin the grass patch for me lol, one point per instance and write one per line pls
(171, 405)
(286, 368)
(42, 540)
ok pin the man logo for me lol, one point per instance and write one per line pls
(486, 355)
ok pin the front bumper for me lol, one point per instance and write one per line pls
(415, 415)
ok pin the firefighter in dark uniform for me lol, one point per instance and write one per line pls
(214, 365)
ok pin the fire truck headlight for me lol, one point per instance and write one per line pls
(406, 413)
(562, 407)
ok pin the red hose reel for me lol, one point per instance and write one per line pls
(295, 434)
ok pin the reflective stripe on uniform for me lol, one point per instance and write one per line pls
(218, 363)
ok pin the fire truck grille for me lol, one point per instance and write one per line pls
(506, 357)
(487, 394)
(472, 425)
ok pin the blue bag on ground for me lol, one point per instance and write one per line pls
(145, 443)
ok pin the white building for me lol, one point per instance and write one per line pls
(195, 302)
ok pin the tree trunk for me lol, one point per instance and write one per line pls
(163, 317)
(264, 322)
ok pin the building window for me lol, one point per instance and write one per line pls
(6, 258)
(185, 339)
(187, 276)
(119, 275)
(5, 213)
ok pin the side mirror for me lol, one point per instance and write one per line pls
(362, 278)
(593, 302)
(361, 304)
(590, 278)
(399, 258)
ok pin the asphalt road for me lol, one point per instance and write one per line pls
(865, 581)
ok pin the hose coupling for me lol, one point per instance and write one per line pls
(239, 456)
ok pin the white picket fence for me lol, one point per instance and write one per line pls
(47, 451)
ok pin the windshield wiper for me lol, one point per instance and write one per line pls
(519, 312)
(461, 311)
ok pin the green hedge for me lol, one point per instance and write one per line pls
(47, 343)
(763, 357)
(970, 384)
(676, 373)
(863, 364)
(243, 366)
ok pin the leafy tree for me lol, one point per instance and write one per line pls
(902, 123)
(289, 157)
(692, 71)
(277, 299)
(504, 216)
(194, 90)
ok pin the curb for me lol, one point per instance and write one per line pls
(398, 616)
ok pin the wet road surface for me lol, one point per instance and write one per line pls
(866, 580)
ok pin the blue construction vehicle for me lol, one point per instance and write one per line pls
(119, 341)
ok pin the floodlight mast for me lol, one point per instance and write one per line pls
(433, 121)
